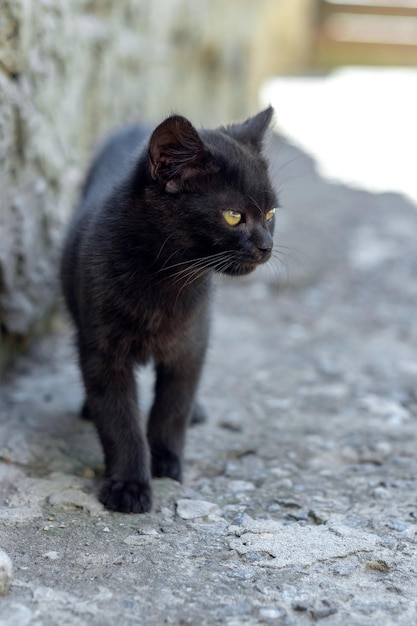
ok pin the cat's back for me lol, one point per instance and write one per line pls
(112, 163)
(113, 160)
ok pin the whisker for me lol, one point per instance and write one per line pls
(198, 274)
(210, 256)
(256, 205)
(276, 268)
(161, 248)
(197, 264)
(199, 268)
(298, 257)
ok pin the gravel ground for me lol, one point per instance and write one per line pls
(299, 500)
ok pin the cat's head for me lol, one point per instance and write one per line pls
(214, 191)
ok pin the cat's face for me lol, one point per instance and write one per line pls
(215, 193)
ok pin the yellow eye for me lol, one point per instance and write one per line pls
(270, 215)
(232, 217)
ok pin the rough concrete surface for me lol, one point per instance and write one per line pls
(299, 500)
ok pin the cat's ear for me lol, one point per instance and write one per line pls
(252, 131)
(176, 153)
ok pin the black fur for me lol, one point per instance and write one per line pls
(136, 274)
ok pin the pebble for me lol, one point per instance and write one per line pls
(77, 499)
(381, 493)
(320, 613)
(237, 486)
(392, 411)
(51, 556)
(193, 509)
(271, 613)
(232, 423)
(379, 565)
(6, 573)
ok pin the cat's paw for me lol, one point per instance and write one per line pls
(166, 464)
(198, 415)
(126, 496)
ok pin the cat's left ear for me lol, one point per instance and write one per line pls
(177, 153)
(252, 131)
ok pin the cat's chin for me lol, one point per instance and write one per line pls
(240, 269)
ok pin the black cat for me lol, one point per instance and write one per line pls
(158, 215)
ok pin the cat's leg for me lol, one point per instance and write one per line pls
(112, 404)
(173, 408)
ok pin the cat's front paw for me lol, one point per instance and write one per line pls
(126, 496)
(166, 464)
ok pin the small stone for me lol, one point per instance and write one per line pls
(52, 555)
(106, 529)
(73, 498)
(381, 493)
(298, 516)
(6, 573)
(379, 566)
(193, 509)
(321, 613)
(237, 486)
(318, 517)
(280, 472)
(151, 532)
(285, 484)
(271, 613)
(274, 507)
(232, 422)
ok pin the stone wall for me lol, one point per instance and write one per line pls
(69, 70)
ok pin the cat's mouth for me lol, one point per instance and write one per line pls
(242, 265)
(240, 268)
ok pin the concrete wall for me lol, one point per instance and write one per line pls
(69, 70)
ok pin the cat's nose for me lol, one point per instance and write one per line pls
(265, 250)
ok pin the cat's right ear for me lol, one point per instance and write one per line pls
(176, 153)
(252, 131)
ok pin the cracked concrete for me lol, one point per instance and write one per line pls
(299, 499)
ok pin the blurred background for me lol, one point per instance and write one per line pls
(356, 110)
(341, 75)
